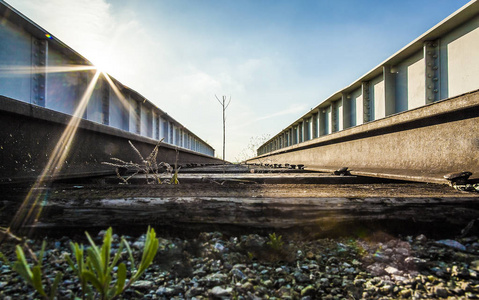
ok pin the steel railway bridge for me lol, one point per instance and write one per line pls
(415, 116)
(55, 105)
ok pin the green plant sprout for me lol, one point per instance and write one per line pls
(96, 272)
(33, 276)
(275, 242)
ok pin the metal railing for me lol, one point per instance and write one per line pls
(37, 68)
(441, 63)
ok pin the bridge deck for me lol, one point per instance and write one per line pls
(229, 203)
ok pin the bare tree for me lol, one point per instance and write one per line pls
(224, 105)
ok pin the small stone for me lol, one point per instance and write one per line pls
(376, 269)
(139, 245)
(402, 251)
(300, 277)
(475, 265)
(391, 270)
(452, 243)
(308, 291)
(143, 285)
(386, 289)
(268, 283)
(355, 262)
(421, 238)
(405, 293)
(247, 286)
(350, 270)
(415, 262)
(440, 291)
(218, 291)
(194, 291)
(165, 291)
(236, 273)
(212, 280)
(379, 257)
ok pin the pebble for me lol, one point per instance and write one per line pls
(223, 267)
(218, 291)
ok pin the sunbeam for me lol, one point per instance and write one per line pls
(117, 92)
(7, 71)
(30, 210)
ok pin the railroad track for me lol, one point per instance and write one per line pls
(314, 204)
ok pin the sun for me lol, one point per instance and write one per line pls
(102, 61)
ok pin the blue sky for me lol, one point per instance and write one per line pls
(276, 59)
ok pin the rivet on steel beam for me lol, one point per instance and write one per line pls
(434, 45)
(428, 52)
(429, 87)
(435, 79)
(429, 75)
(429, 98)
(435, 91)
(435, 68)
(434, 56)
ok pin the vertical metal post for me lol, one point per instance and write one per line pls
(82, 85)
(39, 64)
(138, 117)
(157, 127)
(105, 102)
(367, 107)
(346, 99)
(389, 90)
(431, 59)
(334, 118)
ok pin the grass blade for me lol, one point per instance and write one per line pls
(56, 282)
(120, 283)
(37, 280)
